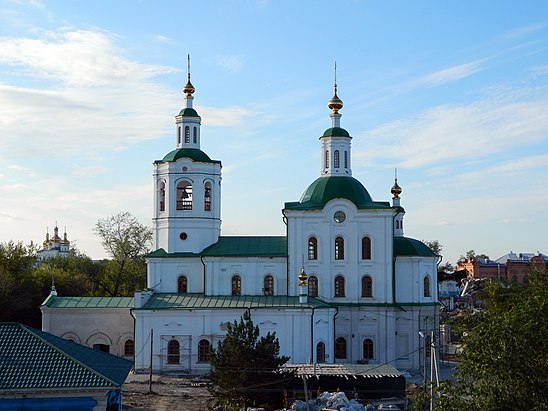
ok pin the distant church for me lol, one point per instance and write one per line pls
(344, 285)
(54, 246)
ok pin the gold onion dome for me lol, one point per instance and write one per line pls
(396, 189)
(335, 103)
(302, 277)
(189, 88)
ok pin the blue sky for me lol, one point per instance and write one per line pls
(452, 94)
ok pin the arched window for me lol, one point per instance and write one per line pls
(268, 285)
(340, 348)
(162, 196)
(182, 285)
(187, 134)
(367, 286)
(207, 196)
(203, 351)
(345, 159)
(179, 135)
(236, 285)
(326, 158)
(173, 352)
(320, 352)
(184, 196)
(339, 248)
(426, 284)
(312, 248)
(129, 348)
(336, 159)
(339, 286)
(195, 135)
(368, 351)
(312, 286)
(366, 248)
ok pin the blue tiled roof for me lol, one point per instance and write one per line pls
(33, 359)
(89, 302)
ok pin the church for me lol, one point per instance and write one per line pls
(344, 285)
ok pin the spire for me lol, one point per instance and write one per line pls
(335, 104)
(188, 89)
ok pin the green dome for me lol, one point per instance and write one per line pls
(405, 246)
(335, 132)
(192, 153)
(325, 189)
(188, 112)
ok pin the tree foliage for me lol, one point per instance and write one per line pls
(471, 254)
(505, 351)
(244, 367)
(17, 289)
(127, 242)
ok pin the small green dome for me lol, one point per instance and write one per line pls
(335, 132)
(405, 246)
(192, 153)
(325, 189)
(188, 112)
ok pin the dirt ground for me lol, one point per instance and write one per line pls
(168, 394)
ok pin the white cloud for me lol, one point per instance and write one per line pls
(524, 31)
(450, 75)
(76, 58)
(231, 63)
(163, 39)
(504, 121)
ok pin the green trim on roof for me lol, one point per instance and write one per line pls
(33, 359)
(194, 154)
(246, 246)
(172, 301)
(335, 132)
(88, 302)
(325, 189)
(405, 246)
(188, 112)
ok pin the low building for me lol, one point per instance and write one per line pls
(40, 371)
(102, 323)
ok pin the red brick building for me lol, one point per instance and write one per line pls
(510, 267)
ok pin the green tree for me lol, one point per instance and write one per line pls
(471, 254)
(245, 369)
(127, 242)
(17, 288)
(505, 351)
(437, 247)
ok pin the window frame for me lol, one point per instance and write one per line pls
(312, 248)
(339, 248)
(367, 286)
(236, 283)
(313, 280)
(341, 348)
(173, 352)
(204, 350)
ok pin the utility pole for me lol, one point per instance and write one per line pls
(150, 375)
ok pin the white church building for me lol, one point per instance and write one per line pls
(344, 285)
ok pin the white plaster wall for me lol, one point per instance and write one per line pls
(377, 224)
(88, 326)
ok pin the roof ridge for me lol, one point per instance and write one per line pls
(31, 331)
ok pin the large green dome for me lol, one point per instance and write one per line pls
(325, 189)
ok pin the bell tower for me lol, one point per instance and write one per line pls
(187, 194)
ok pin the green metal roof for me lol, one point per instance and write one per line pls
(188, 112)
(192, 153)
(325, 189)
(33, 359)
(335, 132)
(88, 302)
(248, 246)
(405, 246)
(235, 247)
(172, 301)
